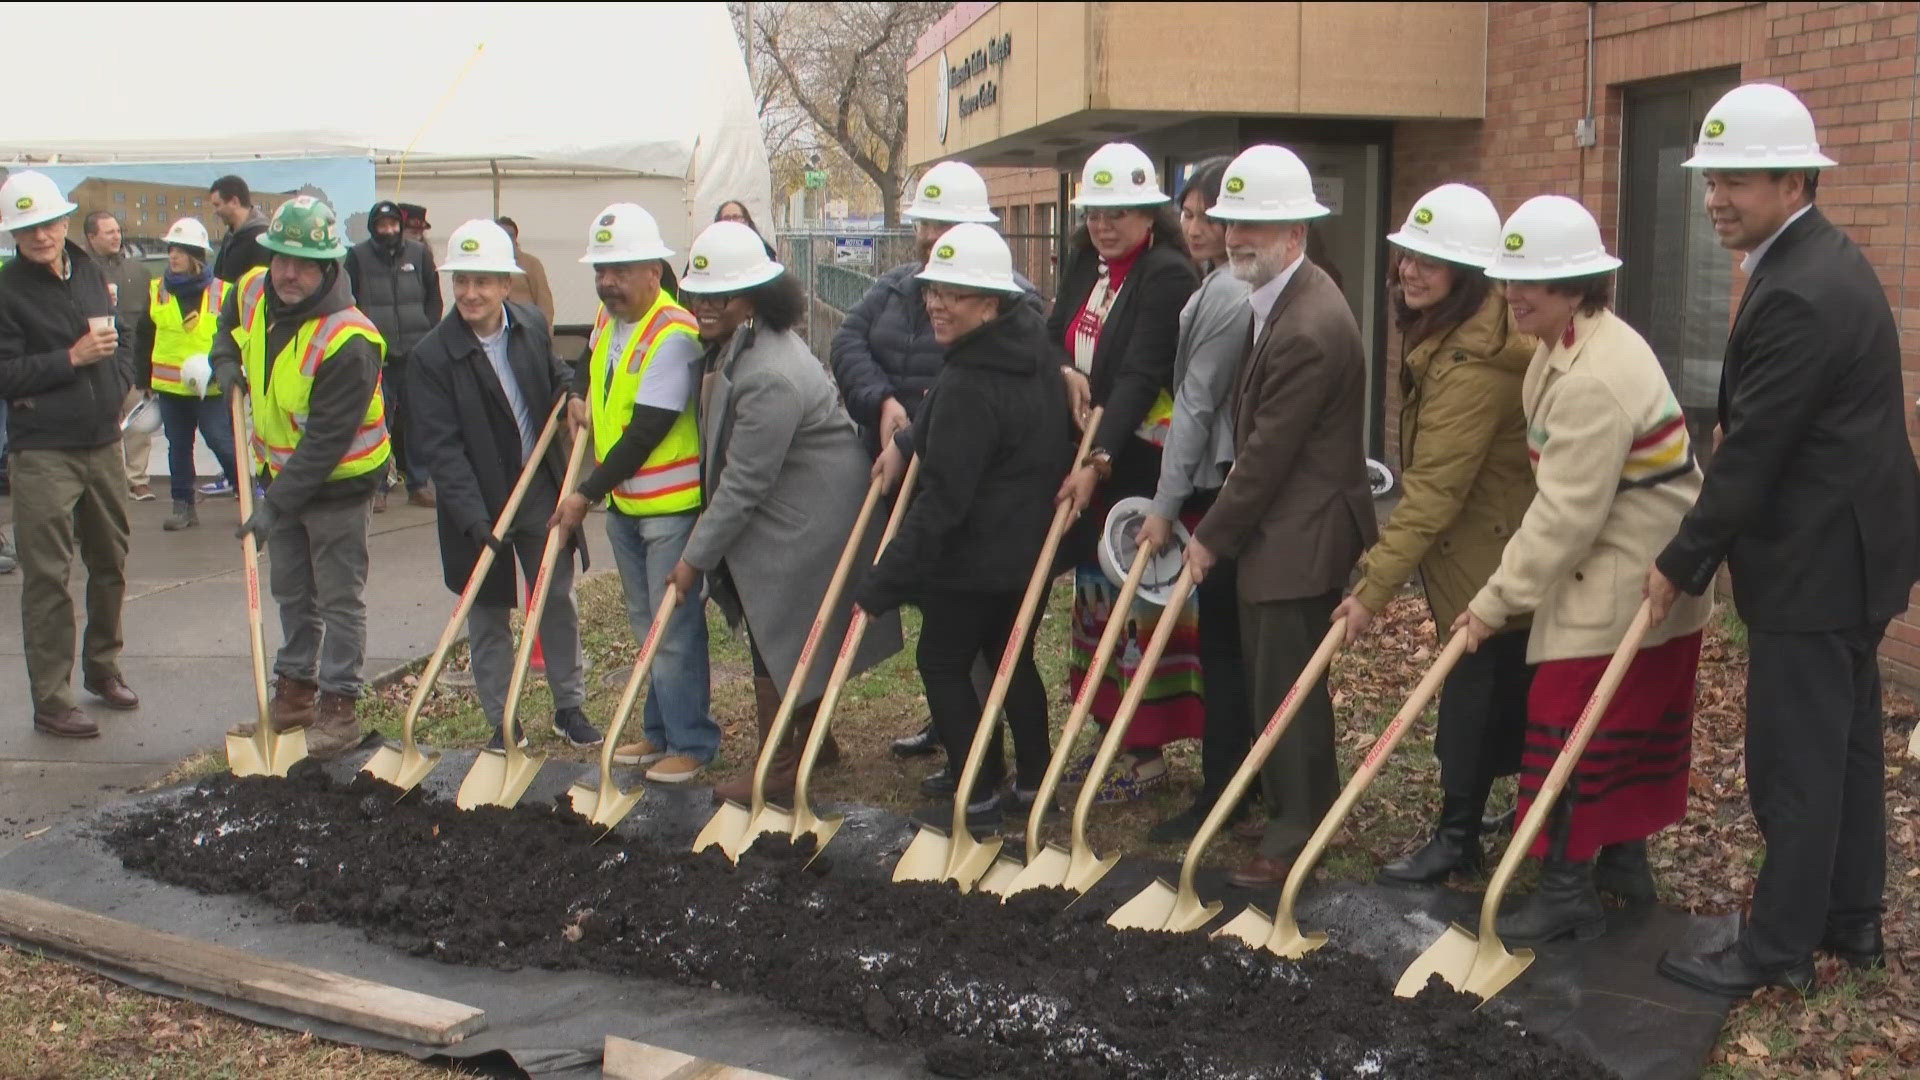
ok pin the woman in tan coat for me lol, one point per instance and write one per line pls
(1464, 486)
(1615, 475)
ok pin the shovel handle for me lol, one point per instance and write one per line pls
(783, 718)
(536, 607)
(642, 663)
(482, 565)
(1262, 747)
(1016, 642)
(250, 561)
(1083, 701)
(849, 650)
(1563, 767)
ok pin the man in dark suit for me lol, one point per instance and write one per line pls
(1813, 502)
(1295, 510)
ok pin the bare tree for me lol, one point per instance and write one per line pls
(842, 67)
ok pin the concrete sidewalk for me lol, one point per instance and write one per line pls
(186, 654)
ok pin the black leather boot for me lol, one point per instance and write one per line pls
(1455, 847)
(1566, 901)
(1622, 869)
(1856, 940)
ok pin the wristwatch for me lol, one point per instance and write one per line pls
(1101, 463)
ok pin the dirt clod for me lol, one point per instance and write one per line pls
(1030, 989)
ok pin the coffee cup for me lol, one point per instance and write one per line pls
(100, 322)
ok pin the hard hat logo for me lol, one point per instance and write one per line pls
(24, 202)
(1139, 176)
(1715, 129)
(1103, 177)
(469, 245)
(606, 219)
(1235, 185)
(932, 191)
(945, 251)
(604, 236)
(699, 262)
(1423, 216)
(1515, 241)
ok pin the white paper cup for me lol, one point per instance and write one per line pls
(100, 322)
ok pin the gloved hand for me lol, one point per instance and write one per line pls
(230, 377)
(259, 524)
(482, 536)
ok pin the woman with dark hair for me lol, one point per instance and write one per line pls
(1615, 474)
(785, 476)
(1464, 487)
(736, 211)
(172, 341)
(1215, 331)
(1117, 326)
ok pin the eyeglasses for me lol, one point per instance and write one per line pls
(1419, 264)
(947, 295)
(714, 301)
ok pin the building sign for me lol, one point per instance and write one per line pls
(1330, 192)
(975, 65)
(940, 89)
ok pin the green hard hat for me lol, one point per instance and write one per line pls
(306, 228)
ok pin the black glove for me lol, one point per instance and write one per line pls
(229, 377)
(482, 536)
(259, 524)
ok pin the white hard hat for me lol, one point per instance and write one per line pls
(31, 198)
(1758, 126)
(1117, 549)
(1119, 174)
(1453, 222)
(1549, 238)
(1267, 183)
(973, 256)
(188, 232)
(951, 191)
(143, 418)
(480, 247)
(197, 372)
(728, 257)
(624, 232)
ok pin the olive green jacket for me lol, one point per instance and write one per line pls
(1465, 480)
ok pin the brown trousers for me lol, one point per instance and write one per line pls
(1301, 778)
(60, 497)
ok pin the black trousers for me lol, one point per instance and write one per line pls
(1223, 668)
(1817, 779)
(1483, 717)
(956, 629)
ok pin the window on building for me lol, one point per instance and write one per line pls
(1677, 285)
(120, 197)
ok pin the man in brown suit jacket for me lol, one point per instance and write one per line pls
(1296, 510)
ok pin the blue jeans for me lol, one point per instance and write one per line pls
(678, 714)
(180, 417)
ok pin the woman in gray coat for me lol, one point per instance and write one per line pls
(784, 475)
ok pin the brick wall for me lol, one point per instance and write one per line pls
(1853, 63)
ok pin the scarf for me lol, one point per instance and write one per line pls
(183, 283)
(1083, 330)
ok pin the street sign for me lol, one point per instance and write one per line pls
(816, 179)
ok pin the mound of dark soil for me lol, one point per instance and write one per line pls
(1032, 988)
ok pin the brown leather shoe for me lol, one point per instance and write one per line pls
(1261, 872)
(422, 498)
(335, 729)
(114, 692)
(71, 724)
(293, 703)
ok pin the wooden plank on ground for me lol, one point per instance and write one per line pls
(235, 973)
(628, 1060)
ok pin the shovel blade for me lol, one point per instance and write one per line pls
(822, 828)
(1148, 910)
(1451, 957)
(1085, 872)
(926, 858)
(971, 860)
(1251, 926)
(285, 749)
(1000, 876)
(724, 830)
(603, 807)
(494, 781)
(1045, 869)
(394, 765)
(770, 819)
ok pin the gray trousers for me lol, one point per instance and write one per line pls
(1301, 777)
(490, 638)
(317, 569)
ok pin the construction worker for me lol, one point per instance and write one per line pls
(395, 285)
(1810, 501)
(65, 365)
(127, 282)
(291, 338)
(635, 398)
(240, 249)
(483, 382)
(174, 339)
(885, 358)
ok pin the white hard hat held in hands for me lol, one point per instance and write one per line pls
(1119, 174)
(1267, 183)
(1758, 126)
(188, 232)
(31, 198)
(728, 257)
(1549, 238)
(972, 256)
(196, 373)
(951, 191)
(624, 232)
(1454, 223)
(480, 247)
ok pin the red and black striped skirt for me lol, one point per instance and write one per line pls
(1632, 780)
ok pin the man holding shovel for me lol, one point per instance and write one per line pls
(291, 338)
(480, 383)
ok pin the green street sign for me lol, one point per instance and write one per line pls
(816, 179)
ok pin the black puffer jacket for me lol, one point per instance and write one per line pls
(885, 349)
(400, 294)
(994, 441)
(54, 405)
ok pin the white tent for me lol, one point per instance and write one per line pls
(547, 111)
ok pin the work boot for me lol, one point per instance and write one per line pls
(1566, 901)
(292, 706)
(1455, 847)
(65, 724)
(184, 517)
(1622, 869)
(336, 728)
(113, 692)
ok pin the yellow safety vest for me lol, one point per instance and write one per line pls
(669, 481)
(280, 413)
(177, 336)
